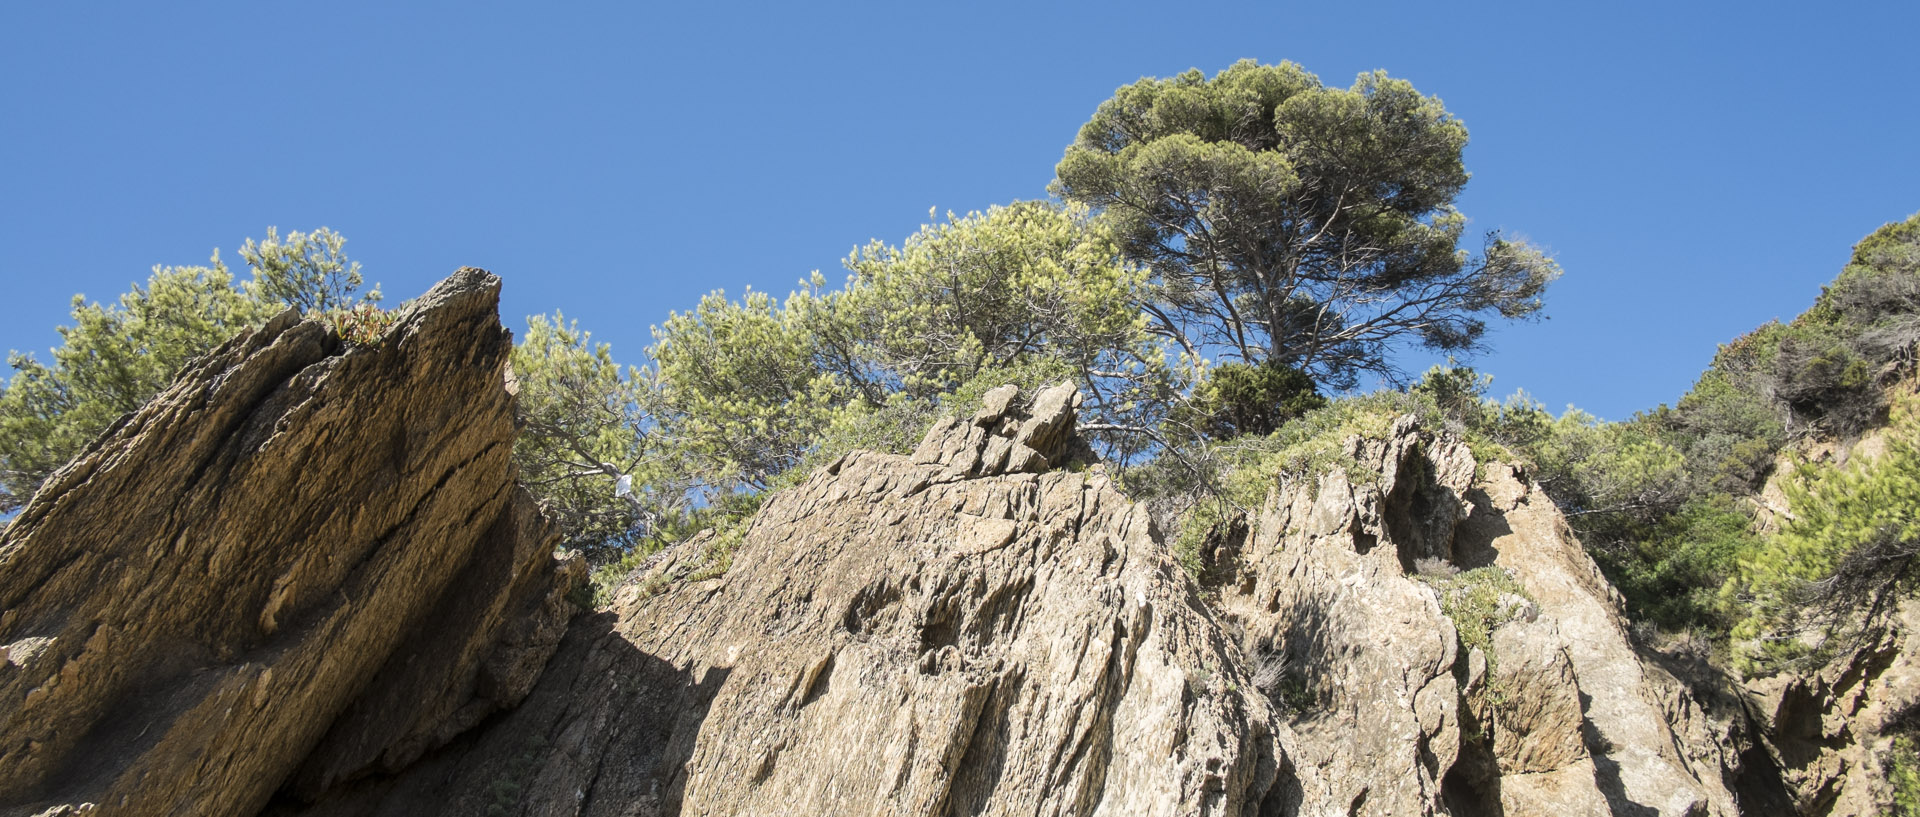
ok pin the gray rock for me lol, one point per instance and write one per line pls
(996, 403)
(886, 643)
(1563, 719)
(1007, 435)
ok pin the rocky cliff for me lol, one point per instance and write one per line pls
(954, 633)
(944, 634)
(1830, 732)
(304, 562)
(303, 582)
(1444, 645)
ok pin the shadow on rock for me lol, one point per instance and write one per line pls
(609, 728)
(1606, 771)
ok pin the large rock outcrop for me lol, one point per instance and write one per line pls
(966, 631)
(302, 582)
(1337, 590)
(306, 561)
(894, 636)
(1827, 733)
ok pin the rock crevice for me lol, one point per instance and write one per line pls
(302, 582)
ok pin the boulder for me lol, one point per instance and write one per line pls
(1007, 435)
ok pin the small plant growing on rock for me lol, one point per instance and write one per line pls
(1296, 692)
(1198, 679)
(1900, 767)
(1240, 398)
(1286, 685)
(506, 790)
(1477, 602)
(1204, 524)
(361, 324)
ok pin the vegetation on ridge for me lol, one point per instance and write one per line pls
(116, 356)
(1298, 234)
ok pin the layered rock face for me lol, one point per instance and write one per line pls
(895, 636)
(952, 633)
(302, 563)
(302, 582)
(1337, 592)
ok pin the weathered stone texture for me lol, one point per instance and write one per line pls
(301, 582)
(1392, 718)
(892, 638)
(299, 556)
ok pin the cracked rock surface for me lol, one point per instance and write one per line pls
(302, 563)
(302, 582)
(1389, 715)
(891, 639)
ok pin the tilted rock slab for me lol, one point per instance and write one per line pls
(301, 563)
(893, 638)
(1389, 717)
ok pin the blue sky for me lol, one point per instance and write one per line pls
(1696, 168)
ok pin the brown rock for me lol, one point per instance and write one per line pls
(1535, 701)
(886, 643)
(1630, 705)
(304, 572)
(1827, 732)
(298, 556)
(1369, 657)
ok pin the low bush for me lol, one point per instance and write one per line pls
(1900, 768)
(1850, 549)
(1239, 398)
(1477, 602)
(361, 324)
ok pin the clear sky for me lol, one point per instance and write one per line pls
(1697, 168)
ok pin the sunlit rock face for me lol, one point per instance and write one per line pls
(938, 634)
(303, 562)
(959, 633)
(302, 582)
(1336, 591)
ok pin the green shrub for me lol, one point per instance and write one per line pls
(1477, 602)
(1850, 548)
(1195, 526)
(361, 324)
(727, 516)
(1031, 374)
(894, 428)
(1670, 570)
(1205, 524)
(1458, 392)
(1240, 398)
(608, 577)
(1900, 769)
(1297, 694)
(1316, 443)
